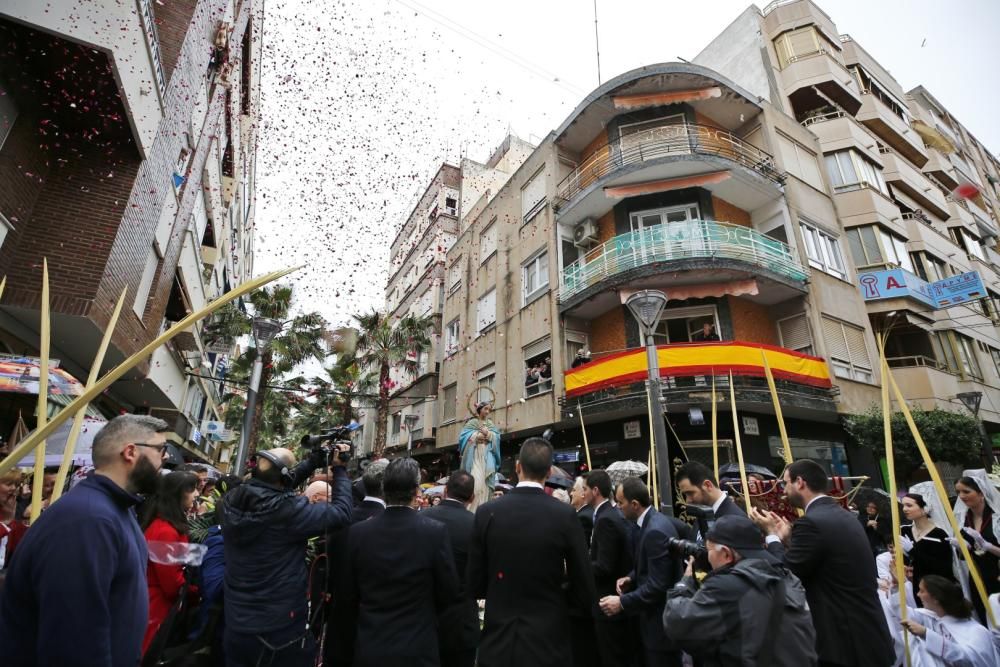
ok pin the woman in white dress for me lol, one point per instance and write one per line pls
(944, 634)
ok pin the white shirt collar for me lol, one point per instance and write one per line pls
(815, 498)
(642, 517)
(598, 508)
(533, 485)
(374, 500)
(718, 503)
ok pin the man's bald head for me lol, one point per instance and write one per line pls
(317, 492)
(281, 454)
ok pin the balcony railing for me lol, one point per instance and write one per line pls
(694, 239)
(823, 117)
(918, 361)
(665, 141)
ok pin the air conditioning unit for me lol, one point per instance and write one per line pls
(585, 233)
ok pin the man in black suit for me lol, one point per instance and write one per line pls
(643, 592)
(828, 550)
(373, 503)
(611, 559)
(584, 512)
(459, 624)
(528, 559)
(699, 487)
(399, 575)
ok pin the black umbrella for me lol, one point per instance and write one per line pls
(733, 470)
(174, 457)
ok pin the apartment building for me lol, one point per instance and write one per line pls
(753, 186)
(127, 146)
(419, 283)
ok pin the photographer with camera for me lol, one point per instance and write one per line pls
(734, 618)
(266, 525)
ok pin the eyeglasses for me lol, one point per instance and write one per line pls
(162, 448)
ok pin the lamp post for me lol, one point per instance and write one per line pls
(264, 331)
(646, 307)
(971, 400)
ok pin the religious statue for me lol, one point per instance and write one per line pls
(479, 446)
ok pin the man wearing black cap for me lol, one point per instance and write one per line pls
(734, 618)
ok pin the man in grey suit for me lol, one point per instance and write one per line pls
(458, 631)
(827, 549)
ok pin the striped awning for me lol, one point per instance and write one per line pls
(624, 368)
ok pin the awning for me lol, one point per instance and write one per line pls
(20, 376)
(55, 444)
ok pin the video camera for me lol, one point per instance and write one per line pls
(684, 549)
(340, 435)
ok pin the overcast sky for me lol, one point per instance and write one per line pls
(363, 99)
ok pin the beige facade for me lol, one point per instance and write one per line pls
(752, 186)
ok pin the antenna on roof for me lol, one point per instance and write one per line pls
(597, 44)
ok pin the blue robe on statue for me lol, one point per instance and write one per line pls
(481, 460)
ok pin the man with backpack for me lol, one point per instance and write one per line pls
(749, 610)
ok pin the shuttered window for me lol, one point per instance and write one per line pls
(486, 311)
(847, 350)
(487, 243)
(799, 161)
(799, 43)
(455, 276)
(795, 335)
(533, 196)
(450, 399)
(486, 377)
(538, 366)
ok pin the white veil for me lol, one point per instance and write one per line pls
(992, 499)
(935, 508)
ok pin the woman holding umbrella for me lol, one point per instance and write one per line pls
(479, 446)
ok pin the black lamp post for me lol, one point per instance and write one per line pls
(972, 400)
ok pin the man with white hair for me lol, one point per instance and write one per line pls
(317, 492)
(76, 590)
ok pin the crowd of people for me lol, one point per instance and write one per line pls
(298, 565)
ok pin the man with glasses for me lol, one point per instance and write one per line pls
(76, 590)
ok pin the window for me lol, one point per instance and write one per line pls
(145, 283)
(995, 355)
(964, 239)
(538, 367)
(181, 164)
(486, 377)
(800, 161)
(684, 325)
(533, 196)
(534, 277)
(451, 337)
(397, 424)
(486, 311)
(488, 242)
(823, 251)
(575, 341)
(847, 349)
(450, 399)
(928, 267)
(873, 246)
(645, 219)
(800, 43)
(850, 170)
(794, 334)
(4, 228)
(967, 353)
(943, 351)
(451, 206)
(8, 114)
(868, 84)
(455, 276)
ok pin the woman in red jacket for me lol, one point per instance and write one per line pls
(164, 519)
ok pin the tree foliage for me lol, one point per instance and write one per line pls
(951, 437)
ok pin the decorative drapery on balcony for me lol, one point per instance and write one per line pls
(624, 368)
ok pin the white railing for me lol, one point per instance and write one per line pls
(695, 239)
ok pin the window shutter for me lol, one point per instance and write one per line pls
(538, 347)
(532, 194)
(833, 332)
(487, 310)
(856, 346)
(455, 274)
(802, 41)
(794, 333)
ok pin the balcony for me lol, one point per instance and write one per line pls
(891, 129)
(616, 383)
(821, 71)
(665, 158)
(677, 254)
(910, 180)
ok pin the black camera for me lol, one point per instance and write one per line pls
(684, 549)
(336, 436)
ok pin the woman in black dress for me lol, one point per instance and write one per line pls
(981, 529)
(926, 545)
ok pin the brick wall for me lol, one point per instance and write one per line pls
(726, 212)
(599, 141)
(751, 322)
(112, 220)
(607, 332)
(606, 227)
(172, 21)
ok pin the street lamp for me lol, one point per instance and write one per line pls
(646, 307)
(264, 331)
(971, 400)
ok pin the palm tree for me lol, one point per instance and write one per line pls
(333, 397)
(383, 345)
(302, 337)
